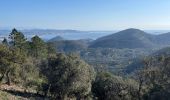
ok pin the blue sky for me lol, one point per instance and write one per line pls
(85, 14)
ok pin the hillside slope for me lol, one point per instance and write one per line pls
(129, 38)
(132, 38)
(69, 45)
(57, 38)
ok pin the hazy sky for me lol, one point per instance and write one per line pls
(85, 14)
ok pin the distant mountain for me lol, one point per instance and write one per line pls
(70, 45)
(163, 39)
(129, 38)
(132, 38)
(85, 41)
(57, 38)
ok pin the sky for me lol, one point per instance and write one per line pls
(85, 14)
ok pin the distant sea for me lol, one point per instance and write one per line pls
(66, 35)
(69, 35)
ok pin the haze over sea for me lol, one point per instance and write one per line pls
(47, 34)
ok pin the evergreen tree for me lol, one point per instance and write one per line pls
(11, 61)
(17, 39)
(68, 76)
(111, 87)
(5, 42)
(38, 47)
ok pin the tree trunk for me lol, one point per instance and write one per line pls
(78, 98)
(65, 97)
(139, 91)
(48, 91)
(2, 77)
(8, 78)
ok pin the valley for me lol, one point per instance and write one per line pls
(116, 53)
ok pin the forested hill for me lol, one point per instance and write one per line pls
(57, 38)
(131, 38)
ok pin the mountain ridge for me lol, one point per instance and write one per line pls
(131, 38)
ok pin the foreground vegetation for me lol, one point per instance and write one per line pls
(40, 72)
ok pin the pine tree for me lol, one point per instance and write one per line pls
(17, 39)
(5, 42)
(38, 47)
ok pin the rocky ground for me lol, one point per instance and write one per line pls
(18, 93)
